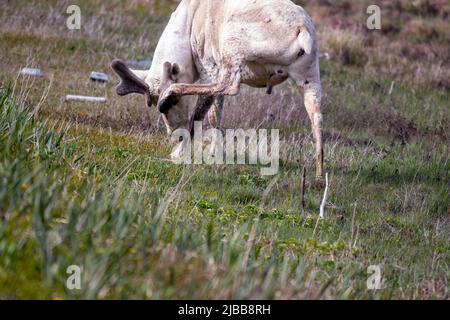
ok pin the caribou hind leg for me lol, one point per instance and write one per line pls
(229, 84)
(216, 112)
(211, 105)
(312, 99)
(202, 107)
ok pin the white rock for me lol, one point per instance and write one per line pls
(32, 72)
(144, 64)
(98, 77)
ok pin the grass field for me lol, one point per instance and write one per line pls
(90, 184)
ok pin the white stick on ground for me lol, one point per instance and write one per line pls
(325, 196)
(303, 190)
(85, 99)
(391, 89)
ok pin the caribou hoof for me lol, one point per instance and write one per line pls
(167, 101)
(318, 183)
(178, 156)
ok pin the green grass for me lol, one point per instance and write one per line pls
(143, 228)
(89, 185)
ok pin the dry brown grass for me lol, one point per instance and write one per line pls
(413, 44)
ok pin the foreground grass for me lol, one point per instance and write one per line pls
(141, 227)
(89, 185)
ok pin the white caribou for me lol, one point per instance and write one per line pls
(210, 47)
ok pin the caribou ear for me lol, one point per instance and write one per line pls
(130, 83)
(169, 76)
(175, 71)
(170, 72)
(167, 73)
